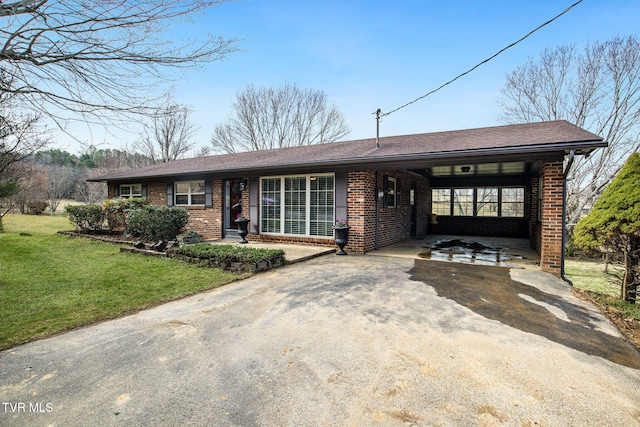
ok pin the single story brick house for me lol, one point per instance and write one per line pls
(503, 181)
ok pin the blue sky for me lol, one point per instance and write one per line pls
(380, 54)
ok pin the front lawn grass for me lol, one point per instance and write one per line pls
(590, 275)
(50, 283)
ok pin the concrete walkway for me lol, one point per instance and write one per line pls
(334, 341)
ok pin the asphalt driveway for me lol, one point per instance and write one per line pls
(357, 340)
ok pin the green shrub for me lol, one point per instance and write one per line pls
(117, 209)
(224, 254)
(154, 223)
(86, 218)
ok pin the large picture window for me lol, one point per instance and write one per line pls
(481, 201)
(297, 205)
(189, 193)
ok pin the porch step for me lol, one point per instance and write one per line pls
(231, 233)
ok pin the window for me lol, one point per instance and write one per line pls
(321, 206)
(130, 190)
(487, 202)
(270, 205)
(390, 192)
(297, 205)
(512, 202)
(441, 201)
(484, 202)
(463, 201)
(189, 193)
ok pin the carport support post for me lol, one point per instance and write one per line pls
(552, 217)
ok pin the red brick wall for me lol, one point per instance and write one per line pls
(208, 221)
(157, 193)
(551, 224)
(394, 223)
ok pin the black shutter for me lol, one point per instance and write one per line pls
(397, 193)
(144, 190)
(116, 190)
(169, 193)
(208, 193)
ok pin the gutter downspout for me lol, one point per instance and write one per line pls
(572, 155)
(376, 207)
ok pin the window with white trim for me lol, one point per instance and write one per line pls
(189, 193)
(130, 190)
(301, 205)
(391, 192)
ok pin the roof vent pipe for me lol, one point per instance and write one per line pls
(378, 113)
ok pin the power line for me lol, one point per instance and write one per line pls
(378, 112)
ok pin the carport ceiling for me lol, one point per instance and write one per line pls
(483, 169)
(510, 168)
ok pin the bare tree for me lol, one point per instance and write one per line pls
(92, 192)
(61, 181)
(95, 58)
(20, 137)
(169, 137)
(597, 89)
(32, 185)
(266, 118)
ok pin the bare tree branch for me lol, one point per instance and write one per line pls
(266, 118)
(169, 137)
(95, 58)
(597, 89)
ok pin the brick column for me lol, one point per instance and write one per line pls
(551, 224)
(361, 211)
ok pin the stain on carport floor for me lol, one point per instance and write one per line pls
(492, 293)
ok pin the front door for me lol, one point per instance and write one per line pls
(232, 202)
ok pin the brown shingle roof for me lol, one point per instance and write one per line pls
(521, 138)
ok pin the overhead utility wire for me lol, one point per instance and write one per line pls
(380, 114)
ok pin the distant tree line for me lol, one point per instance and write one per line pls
(49, 176)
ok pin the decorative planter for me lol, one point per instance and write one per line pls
(242, 229)
(341, 238)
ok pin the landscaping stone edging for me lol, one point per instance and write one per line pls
(237, 267)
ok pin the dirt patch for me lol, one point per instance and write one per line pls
(629, 327)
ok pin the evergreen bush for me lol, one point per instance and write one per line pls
(153, 223)
(86, 218)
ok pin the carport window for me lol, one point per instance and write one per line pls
(481, 201)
